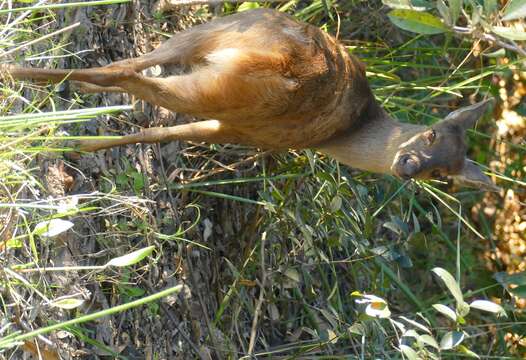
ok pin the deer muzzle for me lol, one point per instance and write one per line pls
(406, 166)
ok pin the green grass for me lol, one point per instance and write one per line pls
(266, 252)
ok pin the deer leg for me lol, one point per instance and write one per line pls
(173, 93)
(87, 88)
(203, 131)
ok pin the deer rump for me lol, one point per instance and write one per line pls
(269, 81)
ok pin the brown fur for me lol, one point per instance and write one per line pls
(272, 82)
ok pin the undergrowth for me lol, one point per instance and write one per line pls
(235, 253)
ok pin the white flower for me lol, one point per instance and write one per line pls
(376, 306)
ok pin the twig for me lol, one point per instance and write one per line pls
(514, 48)
(257, 313)
(489, 37)
(229, 167)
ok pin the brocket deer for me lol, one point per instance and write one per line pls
(267, 80)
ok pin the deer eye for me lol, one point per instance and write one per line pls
(436, 174)
(430, 136)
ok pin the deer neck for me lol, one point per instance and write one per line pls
(371, 145)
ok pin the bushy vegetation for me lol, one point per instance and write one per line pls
(207, 251)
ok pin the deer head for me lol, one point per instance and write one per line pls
(439, 151)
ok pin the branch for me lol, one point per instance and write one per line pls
(490, 38)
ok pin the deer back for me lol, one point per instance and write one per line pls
(272, 81)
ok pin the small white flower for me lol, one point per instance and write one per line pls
(376, 306)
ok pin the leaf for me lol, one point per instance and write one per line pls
(394, 227)
(462, 309)
(446, 311)
(451, 340)
(332, 337)
(411, 333)
(444, 12)
(488, 306)
(404, 4)
(516, 9)
(40, 351)
(468, 352)
(291, 279)
(450, 283)
(131, 258)
(490, 6)
(248, 6)
(52, 227)
(399, 325)
(336, 203)
(415, 324)
(509, 33)
(454, 7)
(67, 304)
(495, 54)
(356, 329)
(138, 181)
(429, 340)
(418, 22)
(409, 352)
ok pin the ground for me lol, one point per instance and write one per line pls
(267, 247)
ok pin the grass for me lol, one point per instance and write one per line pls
(266, 251)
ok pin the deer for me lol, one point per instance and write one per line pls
(261, 78)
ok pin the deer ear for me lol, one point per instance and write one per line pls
(472, 176)
(467, 116)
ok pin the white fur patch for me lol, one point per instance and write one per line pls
(224, 56)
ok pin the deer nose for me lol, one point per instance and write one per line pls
(408, 166)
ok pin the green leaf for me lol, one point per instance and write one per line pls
(454, 7)
(446, 311)
(495, 54)
(409, 352)
(67, 304)
(429, 340)
(52, 227)
(418, 22)
(462, 309)
(406, 4)
(451, 340)
(450, 283)
(356, 329)
(336, 203)
(248, 6)
(488, 306)
(516, 9)
(468, 352)
(509, 33)
(490, 6)
(131, 258)
(415, 324)
(138, 181)
(444, 12)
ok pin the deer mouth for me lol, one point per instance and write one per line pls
(406, 166)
